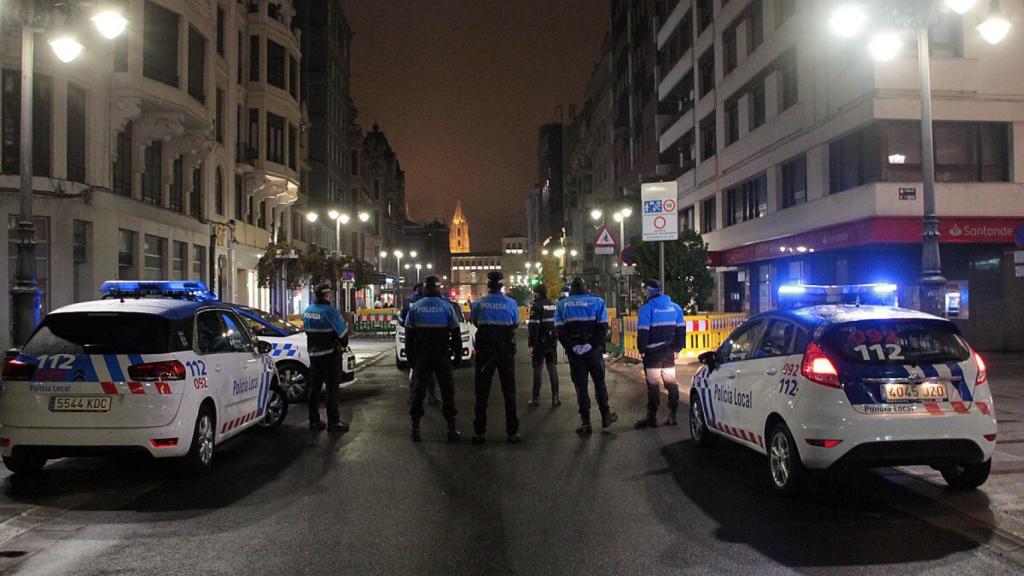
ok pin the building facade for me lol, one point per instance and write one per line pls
(798, 156)
(174, 152)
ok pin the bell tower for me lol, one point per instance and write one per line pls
(458, 235)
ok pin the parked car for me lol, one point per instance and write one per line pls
(468, 333)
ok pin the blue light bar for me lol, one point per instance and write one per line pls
(884, 288)
(800, 295)
(190, 289)
(791, 289)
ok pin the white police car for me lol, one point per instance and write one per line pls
(288, 349)
(829, 384)
(154, 367)
(467, 330)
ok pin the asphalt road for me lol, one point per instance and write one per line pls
(372, 502)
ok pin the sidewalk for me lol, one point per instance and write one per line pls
(367, 348)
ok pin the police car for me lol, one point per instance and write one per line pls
(288, 349)
(468, 332)
(845, 378)
(154, 367)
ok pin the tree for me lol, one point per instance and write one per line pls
(268, 269)
(521, 294)
(687, 278)
(551, 276)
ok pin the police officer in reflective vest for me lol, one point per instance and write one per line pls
(660, 335)
(543, 343)
(582, 322)
(495, 317)
(325, 330)
(417, 293)
(432, 336)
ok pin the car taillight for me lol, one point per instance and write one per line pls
(168, 370)
(817, 367)
(982, 371)
(15, 369)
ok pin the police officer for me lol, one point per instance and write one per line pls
(495, 317)
(432, 334)
(417, 293)
(660, 335)
(324, 328)
(543, 344)
(582, 322)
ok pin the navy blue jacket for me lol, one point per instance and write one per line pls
(541, 325)
(431, 329)
(581, 319)
(660, 329)
(495, 317)
(323, 326)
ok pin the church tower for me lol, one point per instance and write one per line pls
(458, 237)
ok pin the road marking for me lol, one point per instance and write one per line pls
(27, 521)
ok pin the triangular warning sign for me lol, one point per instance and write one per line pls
(604, 238)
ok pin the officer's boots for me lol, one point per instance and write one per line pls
(416, 430)
(671, 420)
(608, 418)
(584, 427)
(453, 432)
(649, 421)
(555, 401)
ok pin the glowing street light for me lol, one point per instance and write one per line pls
(312, 216)
(847, 21)
(596, 214)
(364, 216)
(109, 23)
(65, 47)
(412, 253)
(995, 27)
(885, 46)
(332, 214)
(960, 6)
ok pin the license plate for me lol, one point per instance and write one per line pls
(80, 404)
(928, 392)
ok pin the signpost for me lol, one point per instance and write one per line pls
(605, 242)
(660, 217)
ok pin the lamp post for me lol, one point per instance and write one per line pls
(25, 293)
(848, 21)
(339, 219)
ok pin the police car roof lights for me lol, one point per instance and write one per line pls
(801, 295)
(184, 289)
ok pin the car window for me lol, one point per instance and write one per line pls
(237, 335)
(897, 341)
(102, 333)
(259, 328)
(265, 319)
(741, 342)
(777, 339)
(211, 334)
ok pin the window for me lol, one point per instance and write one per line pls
(708, 216)
(195, 200)
(706, 72)
(254, 58)
(293, 152)
(196, 65)
(218, 192)
(220, 30)
(707, 137)
(80, 260)
(730, 49)
(732, 121)
(354, 162)
(42, 123)
(758, 106)
(794, 182)
(238, 57)
(741, 342)
(276, 58)
(853, 160)
(747, 201)
(219, 121)
(254, 133)
(152, 178)
(211, 334)
(705, 14)
(122, 165)
(155, 248)
(755, 25)
(945, 38)
(686, 218)
(125, 255)
(790, 94)
(239, 201)
(76, 134)
(784, 9)
(177, 192)
(198, 262)
(237, 335)
(778, 339)
(293, 77)
(262, 216)
(964, 151)
(160, 44)
(249, 213)
(179, 253)
(275, 138)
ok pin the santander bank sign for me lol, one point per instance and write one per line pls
(967, 231)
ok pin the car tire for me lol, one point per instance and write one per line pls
(24, 463)
(700, 433)
(294, 378)
(276, 410)
(966, 476)
(400, 364)
(199, 459)
(786, 472)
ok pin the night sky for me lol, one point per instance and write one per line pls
(460, 89)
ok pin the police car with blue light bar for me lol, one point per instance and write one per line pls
(155, 367)
(841, 376)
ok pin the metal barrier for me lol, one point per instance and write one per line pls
(703, 332)
(374, 321)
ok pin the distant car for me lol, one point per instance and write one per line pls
(153, 367)
(467, 330)
(288, 351)
(833, 385)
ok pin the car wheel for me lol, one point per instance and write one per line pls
(276, 410)
(699, 430)
(785, 469)
(963, 476)
(24, 463)
(400, 364)
(199, 459)
(293, 378)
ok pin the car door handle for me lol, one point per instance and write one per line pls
(771, 371)
(218, 368)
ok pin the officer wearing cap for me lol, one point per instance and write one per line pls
(324, 328)
(582, 322)
(417, 293)
(432, 335)
(660, 335)
(495, 317)
(543, 344)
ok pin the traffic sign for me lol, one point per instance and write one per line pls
(660, 211)
(604, 243)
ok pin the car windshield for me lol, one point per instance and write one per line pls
(266, 318)
(897, 342)
(101, 333)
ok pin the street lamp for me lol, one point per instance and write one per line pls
(596, 214)
(364, 217)
(312, 216)
(412, 253)
(339, 219)
(24, 291)
(620, 217)
(847, 21)
(418, 267)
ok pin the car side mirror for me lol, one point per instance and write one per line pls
(263, 347)
(710, 359)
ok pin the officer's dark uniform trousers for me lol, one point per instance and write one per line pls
(491, 358)
(580, 366)
(323, 371)
(544, 341)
